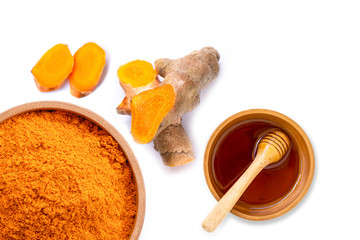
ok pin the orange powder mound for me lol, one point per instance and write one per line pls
(62, 177)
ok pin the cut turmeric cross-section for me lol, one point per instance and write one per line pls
(88, 67)
(135, 77)
(53, 68)
(148, 109)
(137, 73)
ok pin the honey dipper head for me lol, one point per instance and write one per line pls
(275, 145)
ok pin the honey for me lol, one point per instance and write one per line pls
(235, 151)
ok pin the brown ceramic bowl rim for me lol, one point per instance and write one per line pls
(256, 114)
(98, 120)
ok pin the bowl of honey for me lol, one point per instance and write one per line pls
(280, 186)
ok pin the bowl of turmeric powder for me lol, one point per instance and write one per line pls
(66, 173)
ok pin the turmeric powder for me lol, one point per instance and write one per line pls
(63, 177)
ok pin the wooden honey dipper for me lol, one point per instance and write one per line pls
(271, 148)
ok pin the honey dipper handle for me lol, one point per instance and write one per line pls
(228, 201)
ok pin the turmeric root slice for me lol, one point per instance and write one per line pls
(53, 68)
(148, 109)
(88, 67)
(135, 77)
(137, 73)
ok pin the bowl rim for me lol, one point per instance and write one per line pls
(226, 124)
(100, 121)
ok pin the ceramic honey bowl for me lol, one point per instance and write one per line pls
(280, 186)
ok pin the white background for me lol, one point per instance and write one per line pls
(300, 58)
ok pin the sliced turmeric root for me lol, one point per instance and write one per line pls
(148, 109)
(137, 73)
(88, 67)
(53, 68)
(135, 77)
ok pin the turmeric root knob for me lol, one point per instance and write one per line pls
(174, 146)
(188, 75)
(156, 108)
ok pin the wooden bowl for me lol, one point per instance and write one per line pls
(96, 119)
(306, 163)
